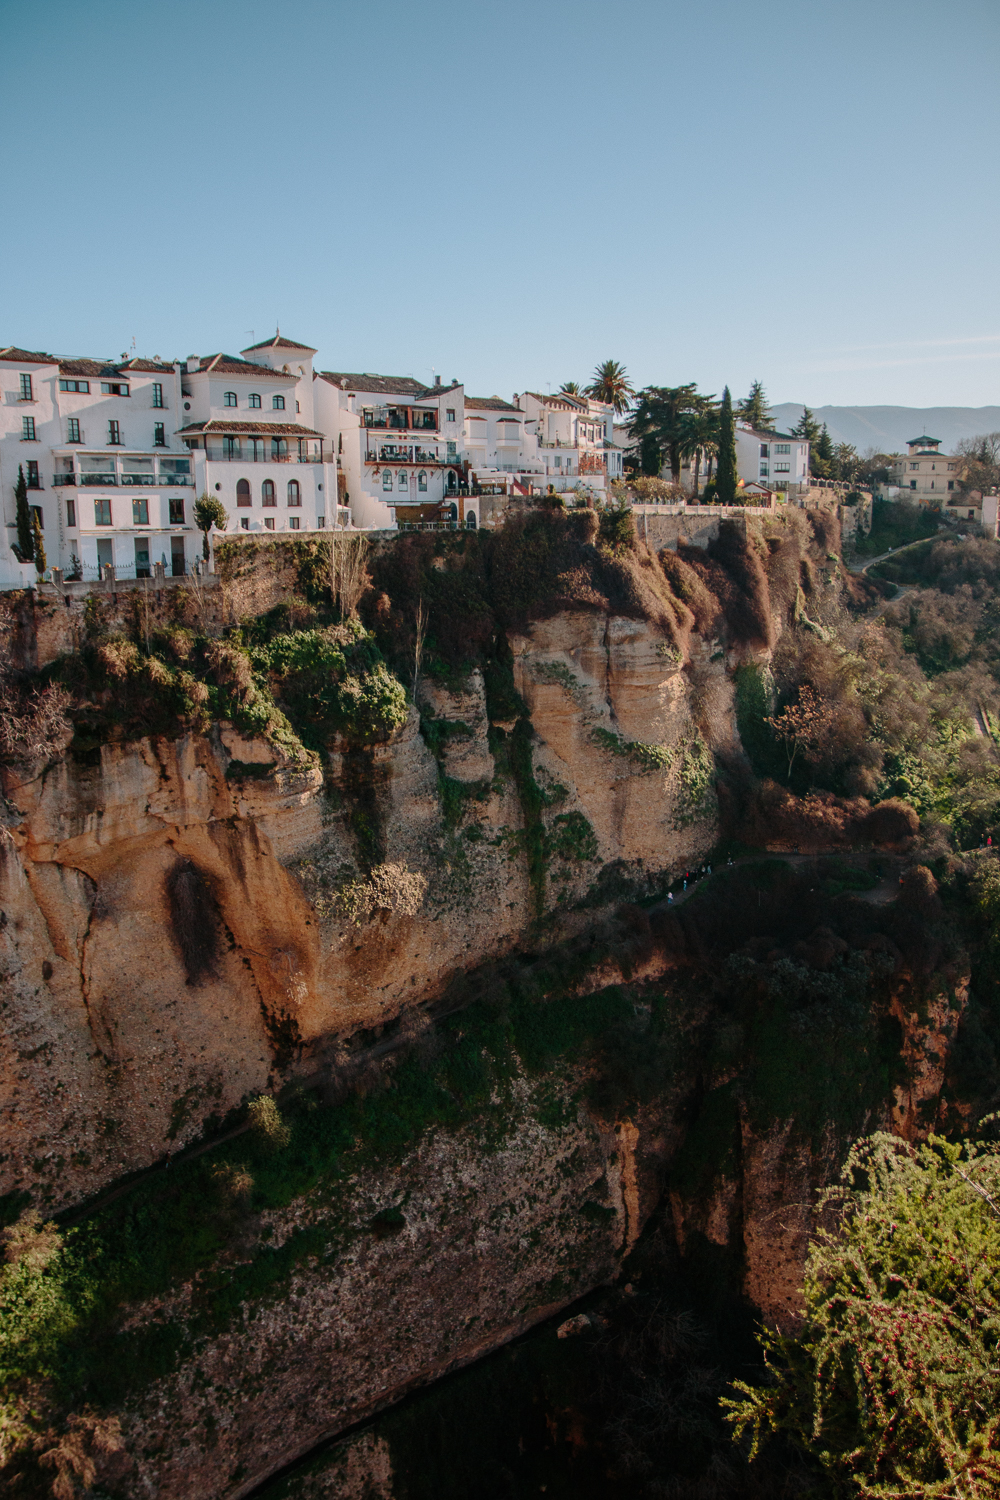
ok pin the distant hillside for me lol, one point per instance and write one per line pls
(889, 428)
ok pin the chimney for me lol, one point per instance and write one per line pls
(193, 362)
(437, 380)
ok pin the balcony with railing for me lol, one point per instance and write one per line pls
(399, 453)
(401, 418)
(133, 473)
(261, 453)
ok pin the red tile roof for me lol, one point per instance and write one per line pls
(488, 403)
(24, 357)
(264, 429)
(379, 385)
(228, 364)
(280, 343)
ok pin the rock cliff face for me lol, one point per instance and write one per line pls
(187, 923)
(176, 935)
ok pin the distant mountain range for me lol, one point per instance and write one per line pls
(889, 428)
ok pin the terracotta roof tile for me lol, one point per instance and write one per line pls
(381, 385)
(228, 364)
(488, 403)
(264, 429)
(280, 343)
(25, 357)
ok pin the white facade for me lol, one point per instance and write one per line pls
(96, 440)
(399, 446)
(926, 476)
(775, 459)
(574, 439)
(248, 425)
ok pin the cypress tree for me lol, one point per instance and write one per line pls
(821, 455)
(725, 468)
(25, 536)
(38, 544)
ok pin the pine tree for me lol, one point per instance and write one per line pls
(38, 544)
(25, 538)
(821, 455)
(725, 469)
(754, 409)
(807, 427)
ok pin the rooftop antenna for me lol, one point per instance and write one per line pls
(249, 335)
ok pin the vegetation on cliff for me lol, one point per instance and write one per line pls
(892, 1383)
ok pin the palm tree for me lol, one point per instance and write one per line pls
(702, 440)
(660, 422)
(570, 388)
(611, 385)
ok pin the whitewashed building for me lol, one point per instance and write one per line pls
(105, 472)
(248, 424)
(574, 438)
(399, 446)
(776, 460)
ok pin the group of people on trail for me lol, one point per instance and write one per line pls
(691, 875)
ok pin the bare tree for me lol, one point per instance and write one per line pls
(418, 649)
(348, 572)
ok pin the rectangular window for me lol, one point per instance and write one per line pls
(114, 388)
(157, 393)
(176, 512)
(764, 450)
(321, 522)
(102, 512)
(28, 430)
(914, 466)
(114, 433)
(913, 484)
(269, 522)
(36, 512)
(293, 523)
(951, 484)
(27, 394)
(781, 468)
(70, 512)
(782, 447)
(449, 415)
(83, 386)
(34, 482)
(140, 512)
(244, 523)
(73, 424)
(159, 435)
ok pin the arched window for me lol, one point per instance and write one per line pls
(387, 479)
(267, 493)
(453, 514)
(470, 521)
(229, 399)
(243, 492)
(402, 483)
(278, 403)
(294, 493)
(255, 400)
(422, 480)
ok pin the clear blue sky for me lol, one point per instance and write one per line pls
(803, 191)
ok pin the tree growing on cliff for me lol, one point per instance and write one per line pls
(754, 409)
(725, 468)
(892, 1382)
(801, 725)
(821, 454)
(24, 550)
(208, 512)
